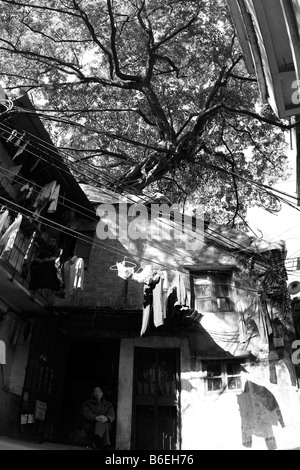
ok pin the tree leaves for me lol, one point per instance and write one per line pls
(154, 92)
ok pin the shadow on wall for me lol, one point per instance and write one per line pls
(259, 412)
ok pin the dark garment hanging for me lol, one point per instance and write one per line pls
(44, 275)
(172, 309)
(148, 304)
(43, 269)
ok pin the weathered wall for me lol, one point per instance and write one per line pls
(262, 416)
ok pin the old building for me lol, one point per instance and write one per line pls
(39, 198)
(209, 366)
(186, 325)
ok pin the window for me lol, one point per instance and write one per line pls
(220, 375)
(213, 292)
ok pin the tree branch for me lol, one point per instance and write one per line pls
(94, 36)
(31, 5)
(246, 79)
(42, 58)
(121, 75)
(177, 31)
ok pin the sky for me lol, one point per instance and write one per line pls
(286, 224)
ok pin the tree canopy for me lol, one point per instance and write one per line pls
(147, 96)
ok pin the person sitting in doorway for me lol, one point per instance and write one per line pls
(98, 414)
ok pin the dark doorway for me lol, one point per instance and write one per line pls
(156, 417)
(44, 380)
(89, 363)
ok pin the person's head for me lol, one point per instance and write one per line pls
(97, 393)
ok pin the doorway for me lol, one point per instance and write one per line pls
(89, 363)
(156, 394)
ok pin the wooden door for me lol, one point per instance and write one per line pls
(156, 417)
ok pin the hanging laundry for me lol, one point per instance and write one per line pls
(4, 221)
(261, 318)
(124, 271)
(148, 274)
(159, 308)
(165, 287)
(20, 139)
(153, 304)
(2, 352)
(48, 194)
(241, 309)
(13, 135)
(54, 199)
(28, 255)
(178, 283)
(20, 149)
(147, 305)
(43, 271)
(73, 274)
(7, 240)
(25, 198)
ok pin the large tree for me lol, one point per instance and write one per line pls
(147, 96)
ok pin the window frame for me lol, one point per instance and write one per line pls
(223, 376)
(214, 278)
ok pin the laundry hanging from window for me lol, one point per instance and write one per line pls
(162, 298)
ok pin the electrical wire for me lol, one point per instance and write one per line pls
(233, 244)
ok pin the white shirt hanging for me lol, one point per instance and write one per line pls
(2, 352)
